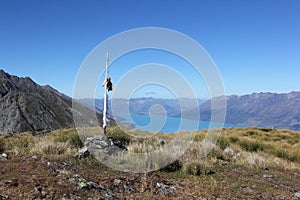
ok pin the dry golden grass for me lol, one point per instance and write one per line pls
(251, 147)
(238, 161)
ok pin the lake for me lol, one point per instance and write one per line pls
(166, 124)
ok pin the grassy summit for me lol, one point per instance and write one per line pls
(245, 163)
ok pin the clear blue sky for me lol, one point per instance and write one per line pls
(254, 43)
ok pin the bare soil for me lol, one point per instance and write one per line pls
(39, 178)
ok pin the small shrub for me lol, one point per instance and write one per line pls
(228, 154)
(252, 133)
(2, 143)
(256, 161)
(234, 139)
(216, 152)
(251, 145)
(266, 129)
(223, 143)
(280, 153)
(197, 168)
(193, 168)
(173, 167)
(70, 137)
(199, 136)
(116, 134)
(293, 141)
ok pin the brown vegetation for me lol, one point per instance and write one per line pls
(245, 163)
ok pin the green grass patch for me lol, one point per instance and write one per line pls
(223, 143)
(70, 136)
(234, 139)
(251, 146)
(280, 153)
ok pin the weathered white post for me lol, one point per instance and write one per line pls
(105, 97)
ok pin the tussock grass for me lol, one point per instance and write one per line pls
(56, 145)
(67, 136)
(18, 145)
(53, 150)
(252, 147)
(198, 168)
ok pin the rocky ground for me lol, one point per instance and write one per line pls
(246, 163)
(34, 177)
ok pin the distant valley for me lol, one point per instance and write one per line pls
(271, 110)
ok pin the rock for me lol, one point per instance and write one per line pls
(4, 197)
(209, 172)
(297, 195)
(39, 189)
(64, 172)
(93, 185)
(13, 182)
(268, 176)
(248, 190)
(237, 156)
(228, 152)
(107, 194)
(82, 153)
(117, 181)
(67, 197)
(3, 156)
(127, 188)
(34, 157)
(82, 185)
(88, 185)
(102, 146)
(166, 189)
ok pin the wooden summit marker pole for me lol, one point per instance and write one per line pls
(105, 97)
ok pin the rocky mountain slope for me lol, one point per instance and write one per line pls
(27, 106)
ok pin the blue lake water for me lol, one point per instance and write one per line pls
(171, 124)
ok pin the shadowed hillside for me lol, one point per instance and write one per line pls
(27, 106)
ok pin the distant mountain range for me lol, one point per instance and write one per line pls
(27, 106)
(257, 109)
(261, 109)
(170, 107)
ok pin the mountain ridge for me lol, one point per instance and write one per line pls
(28, 107)
(264, 109)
